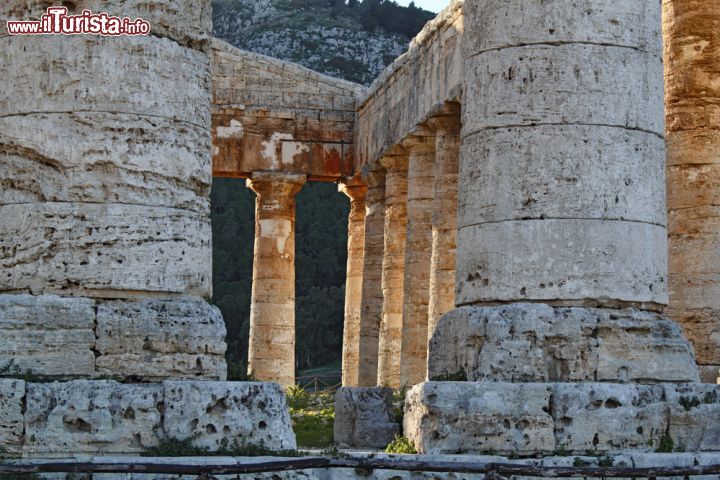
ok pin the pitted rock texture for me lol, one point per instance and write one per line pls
(47, 335)
(185, 21)
(212, 413)
(102, 157)
(107, 417)
(540, 418)
(530, 342)
(91, 417)
(144, 339)
(154, 67)
(12, 398)
(364, 417)
(104, 250)
(465, 417)
(156, 339)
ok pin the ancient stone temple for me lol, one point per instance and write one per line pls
(508, 253)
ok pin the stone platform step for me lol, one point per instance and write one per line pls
(626, 460)
(107, 417)
(574, 418)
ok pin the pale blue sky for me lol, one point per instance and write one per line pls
(432, 5)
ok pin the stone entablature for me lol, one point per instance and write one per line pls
(271, 115)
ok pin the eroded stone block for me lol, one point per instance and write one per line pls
(694, 416)
(47, 335)
(606, 417)
(12, 396)
(364, 417)
(218, 413)
(465, 417)
(157, 339)
(92, 416)
(526, 342)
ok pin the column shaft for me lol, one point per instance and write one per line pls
(444, 218)
(692, 101)
(372, 294)
(354, 281)
(271, 355)
(418, 252)
(392, 270)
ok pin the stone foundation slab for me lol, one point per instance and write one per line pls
(578, 418)
(106, 417)
(148, 340)
(364, 417)
(529, 342)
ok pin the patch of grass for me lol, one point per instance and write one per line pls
(313, 417)
(459, 376)
(173, 447)
(666, 444)
(400, 445)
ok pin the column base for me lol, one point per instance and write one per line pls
(148, 339)
(107, 417)
(534, 342)
(364, 417)
(574, 418)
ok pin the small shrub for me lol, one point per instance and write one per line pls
(689, 403)
(579, 462)
(459, 376)
(666, 444)
(606, 461)
(400, 445)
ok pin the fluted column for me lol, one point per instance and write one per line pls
(271, 355)
(444, 217)
(418, 251)
(372, 296)
(356, 191)
(392, 268)
(692, 106)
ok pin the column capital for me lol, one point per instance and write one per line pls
(445, 124)
(419, 143)
(275, 184)
(395, 162)
(354, 188)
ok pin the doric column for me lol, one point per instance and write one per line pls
(356, 191)
(418, 251)
(271, 355)
(561, 199)
(444, 217)
(372, 295)
(692, 103)
(392, 269)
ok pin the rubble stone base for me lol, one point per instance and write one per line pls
(364, 417)
(577, 418)
(106, 417)
(532, 342)
(138, 339)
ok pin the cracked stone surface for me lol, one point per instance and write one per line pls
(91, 417)
(12, 395)
(48, 335)
(252, 413)
(158, 339)
(531, 418)
(364, 417)
(528, 342)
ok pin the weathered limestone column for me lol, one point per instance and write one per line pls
(271, 353)
(692, 102)
(372, 294)
(396, 184)
(562, 198)
(105, 175)
(418, 253)
(444, 217)
(356, 191)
